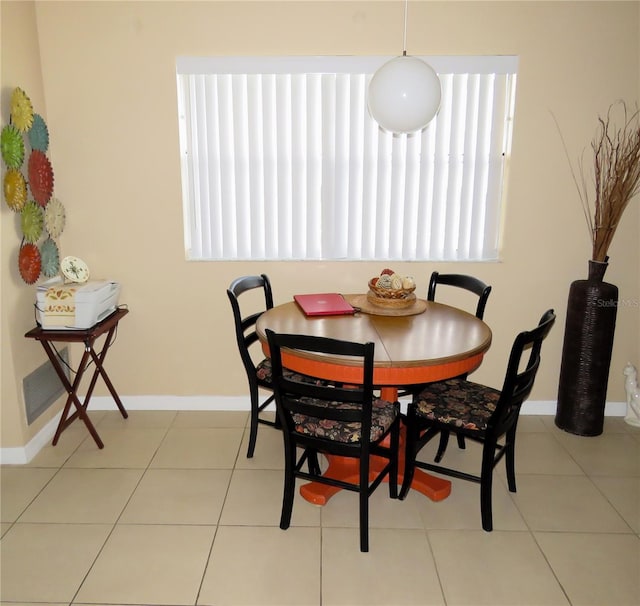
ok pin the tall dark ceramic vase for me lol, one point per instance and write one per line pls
(586, 353)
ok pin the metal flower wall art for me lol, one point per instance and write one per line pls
(28, 189)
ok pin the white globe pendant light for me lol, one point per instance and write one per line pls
(404, 94)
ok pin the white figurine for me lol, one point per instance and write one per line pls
(633, 395)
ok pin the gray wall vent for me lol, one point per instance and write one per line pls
(42, 387)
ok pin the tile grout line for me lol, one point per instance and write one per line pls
(115, 523)
(215, 534)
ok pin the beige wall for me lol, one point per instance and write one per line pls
(20, 67)
(108, 80)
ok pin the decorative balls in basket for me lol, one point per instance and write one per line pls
(391, 290)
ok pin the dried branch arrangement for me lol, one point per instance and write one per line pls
(615, 178)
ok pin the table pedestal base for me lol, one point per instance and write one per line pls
(346, 469)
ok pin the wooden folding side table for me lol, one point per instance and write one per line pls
(87, 336)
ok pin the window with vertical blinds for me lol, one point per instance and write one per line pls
(281, 160)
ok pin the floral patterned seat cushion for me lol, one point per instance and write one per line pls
(382, 416)
(264, 372)
(457, 402)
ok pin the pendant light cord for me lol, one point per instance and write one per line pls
(404, 38)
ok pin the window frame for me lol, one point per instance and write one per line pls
(386, 143)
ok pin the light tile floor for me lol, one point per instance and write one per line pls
(171, 512)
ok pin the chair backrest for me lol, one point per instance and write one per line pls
(520, 376)
(353, 404)
(245, 325)
(474, 285)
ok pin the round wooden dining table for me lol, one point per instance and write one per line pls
(431, 343)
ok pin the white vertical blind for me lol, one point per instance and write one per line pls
(281, 160)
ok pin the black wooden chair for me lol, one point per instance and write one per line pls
(482, 291)
(470, 283)
(347, 421)
(258, 375)
(478, 413)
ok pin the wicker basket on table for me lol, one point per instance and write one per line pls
(397, 298)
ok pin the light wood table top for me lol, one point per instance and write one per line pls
(439, 343)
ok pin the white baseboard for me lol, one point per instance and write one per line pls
(24, 454)
(173, 403)
(548, 407)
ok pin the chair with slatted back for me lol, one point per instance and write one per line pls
(470, 283)
(481, 290)
(479, 413)
(347, 421)
(258, 375)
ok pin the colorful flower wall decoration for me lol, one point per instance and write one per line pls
(30, 193)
